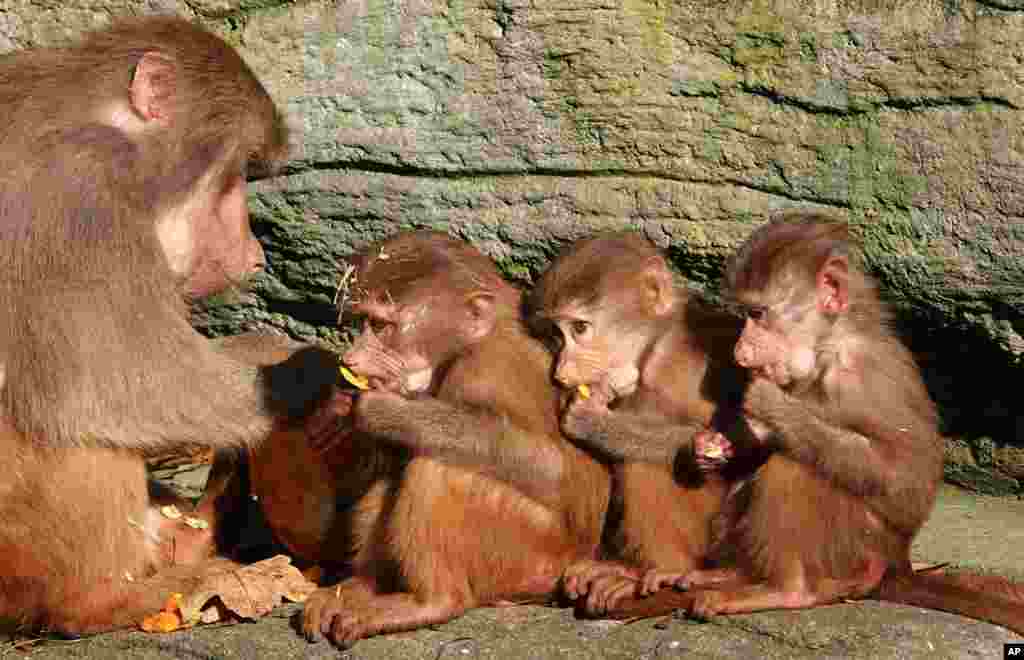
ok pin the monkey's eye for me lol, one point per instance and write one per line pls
(378, 327)
(579, 328)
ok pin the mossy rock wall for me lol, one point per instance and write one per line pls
(521, 125)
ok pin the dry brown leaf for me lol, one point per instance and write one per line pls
(250, 591)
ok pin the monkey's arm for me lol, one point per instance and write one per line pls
(873, 450)
(472, 436)
(626, 436)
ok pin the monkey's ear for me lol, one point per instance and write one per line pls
(833, 285)
(658, 288)
(153, 84)
(479, 319)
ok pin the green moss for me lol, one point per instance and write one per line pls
(809, 46)
(862, 168)
(552, 65)
(708, 88)
(514, 270)
(900, 247)
(651, 15)
(711, 147)
(980, 480)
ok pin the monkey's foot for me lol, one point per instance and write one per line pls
(654, 580)
(713, 577)
(579, 578)
(728, 591)
(711, 602)
(345, 614)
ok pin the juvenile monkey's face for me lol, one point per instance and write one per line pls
(208, 241)
(390, 351)
(592, 347)
(779, 339)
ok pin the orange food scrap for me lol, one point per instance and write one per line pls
(161, 622)
(584, 391)
(166, 620)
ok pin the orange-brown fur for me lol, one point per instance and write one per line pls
(317, 504)
(857, 456)
(494, 502)
(685, 384)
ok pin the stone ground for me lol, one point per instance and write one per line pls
(982, 533)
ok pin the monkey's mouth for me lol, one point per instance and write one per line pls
(771, 373)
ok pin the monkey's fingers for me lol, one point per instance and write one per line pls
(655, 580)
(330, 425)
(607, 592)
(579, 577)
(707, 604)
(330, 437)
(712, 450)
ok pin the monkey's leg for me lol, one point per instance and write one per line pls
(353, 610)
(77, 536)
(807, 542)
(655, 579)
(795, 594)
(665, 525)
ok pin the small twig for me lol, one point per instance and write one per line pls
(341, 294)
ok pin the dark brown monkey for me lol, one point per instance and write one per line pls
(658, 364)
(315, 500)
(495, 502)
(857, 457)
(123, 165)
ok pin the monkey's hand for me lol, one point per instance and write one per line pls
(583, 412)
(711, 450)
(330, 425)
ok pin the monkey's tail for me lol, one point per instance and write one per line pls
(660, 603)
(984, 597)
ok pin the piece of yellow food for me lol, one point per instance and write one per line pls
(170, 511)
(359, 381)
(584, 391)
(714, 451)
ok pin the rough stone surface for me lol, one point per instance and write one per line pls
(523, 124)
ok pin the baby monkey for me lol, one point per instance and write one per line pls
(647, 372)
(855, 456)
